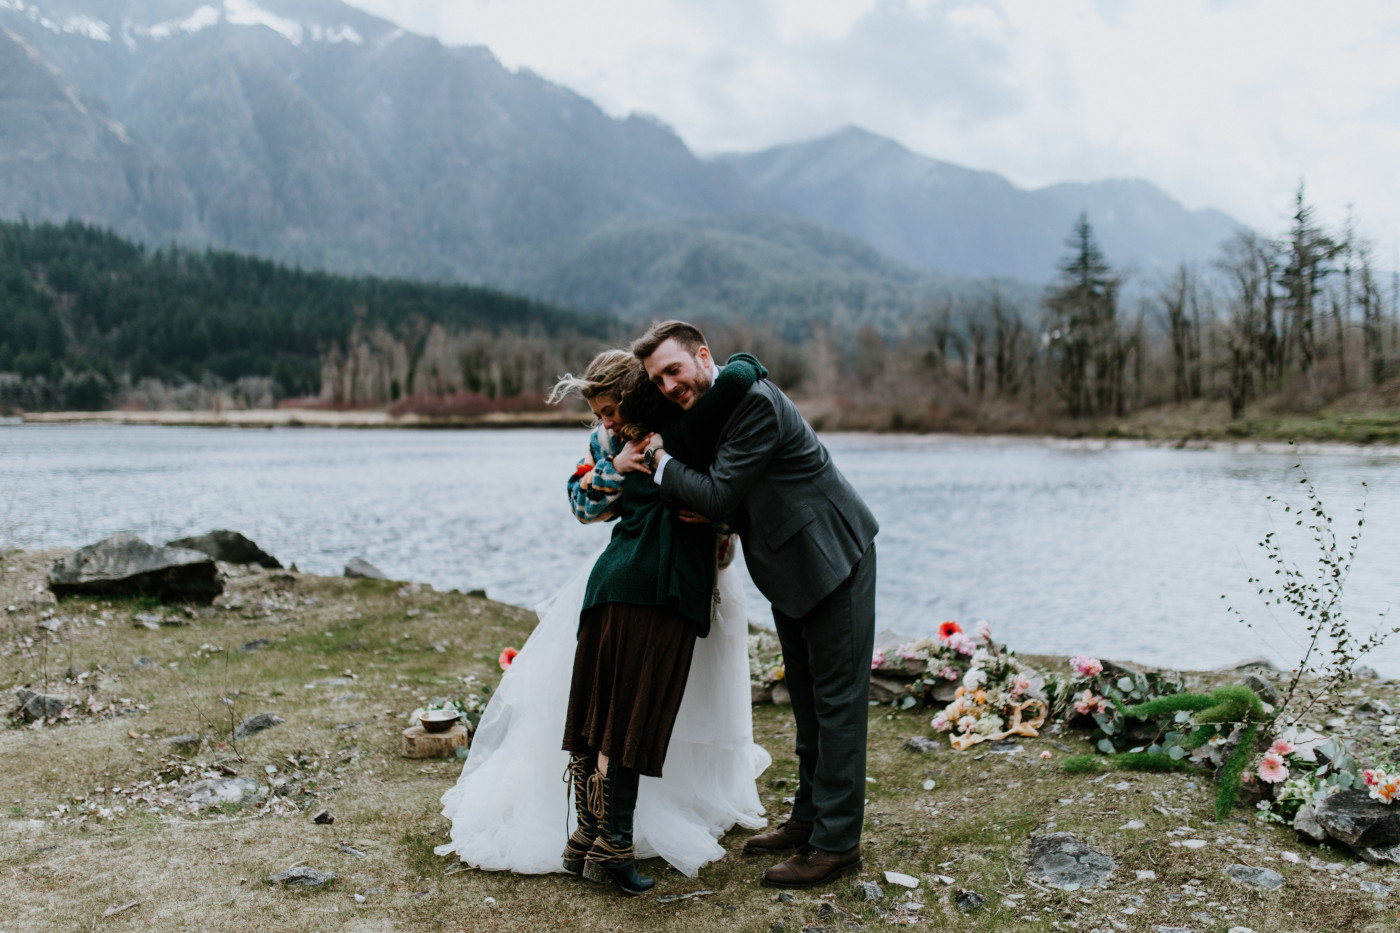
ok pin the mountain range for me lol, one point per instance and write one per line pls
(310, 132)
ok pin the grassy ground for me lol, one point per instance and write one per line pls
(87, 829)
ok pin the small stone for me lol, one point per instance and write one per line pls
(177, 741)
(1262, 688)
(921, 744)
(1191, 844)
(256, 724)
(323, 818)
(111, 911)
(351, 850)
(1146, 874)
(1307, 827)
(829, 911)
(1376, 888)
(360, 898)
(929, 784)
(1240, 930)
(257, 644)
(786, 897)
(1134, 824)
(968, 901)
(489, 902)
(214, 792)
(899, 878)
(302, 877)
(1265, 879)
(869, 891)
(143, 662)
(34, 705)
(1365, 672)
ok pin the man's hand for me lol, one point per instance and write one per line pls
(691, 517)
(629, 459)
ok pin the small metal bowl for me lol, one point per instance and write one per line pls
(439, 720)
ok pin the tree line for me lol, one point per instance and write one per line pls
(1289, 322)
(89, 320)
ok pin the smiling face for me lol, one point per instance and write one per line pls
(605, 407)
(681, 376)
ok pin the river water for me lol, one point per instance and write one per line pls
(1121, 551)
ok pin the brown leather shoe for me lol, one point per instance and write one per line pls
(812, 867)
(791, 835)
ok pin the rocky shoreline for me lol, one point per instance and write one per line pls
(242, 758)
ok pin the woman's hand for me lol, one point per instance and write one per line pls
(629, 459)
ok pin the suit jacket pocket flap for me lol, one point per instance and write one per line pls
(793, 524)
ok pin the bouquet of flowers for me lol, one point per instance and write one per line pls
(1295, 772)
(938, 664)
(1097, 693)
(997, 697)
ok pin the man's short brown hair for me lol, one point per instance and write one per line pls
(687, 335)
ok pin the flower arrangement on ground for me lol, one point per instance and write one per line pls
(997, 697)
(1299, 769)
(1095, 694)
(939, 664)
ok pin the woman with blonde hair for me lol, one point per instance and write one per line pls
(639, 661)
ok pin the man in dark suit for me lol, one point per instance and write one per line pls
(809, 545)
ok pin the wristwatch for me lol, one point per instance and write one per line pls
(649, 458)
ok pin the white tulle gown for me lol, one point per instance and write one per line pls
(510, 809)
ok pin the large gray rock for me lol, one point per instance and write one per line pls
(362, 569)
(1352, 817)
(1262, 688)
(124, 565)
(229, 547)
(1059, 860)
(34, 705)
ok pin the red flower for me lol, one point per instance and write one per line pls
(507, 658)
(948, 629)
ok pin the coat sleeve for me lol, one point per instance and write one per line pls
(745, 448)
(595, 485)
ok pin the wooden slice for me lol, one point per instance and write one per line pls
(420, 743)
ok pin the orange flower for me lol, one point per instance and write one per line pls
(980, 696)
(947, 629)
(507, 658)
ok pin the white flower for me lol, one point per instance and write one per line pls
(984, 631)
(989, 724)
(974, 678)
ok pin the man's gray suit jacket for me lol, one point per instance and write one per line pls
(802, 524)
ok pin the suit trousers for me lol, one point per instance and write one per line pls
(826, 655)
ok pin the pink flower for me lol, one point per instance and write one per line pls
(908, 655)
(940, 724)
(1023, 683)
(1282, 747)
(1086, 703)
(1104, 705)
(1086, 666)
(950, 673)
(877, 659)
(1272, 769)
(1370, 777)
(507, 658)
(1045, 754)
(961, 643)
(984, 631)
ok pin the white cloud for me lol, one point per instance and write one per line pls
(1223, 104)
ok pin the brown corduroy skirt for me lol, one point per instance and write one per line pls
(630, 669)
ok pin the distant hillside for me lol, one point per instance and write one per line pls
(312, 133)
(84, 312)
(935, 215)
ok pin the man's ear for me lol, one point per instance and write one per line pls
(703, 355)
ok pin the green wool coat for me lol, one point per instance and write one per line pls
(654, 559)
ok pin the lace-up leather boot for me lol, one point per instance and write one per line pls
(790, 835)
(612, 855)
(812, 867)
(586, 786)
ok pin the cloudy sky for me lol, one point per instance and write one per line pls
(1224, 103)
